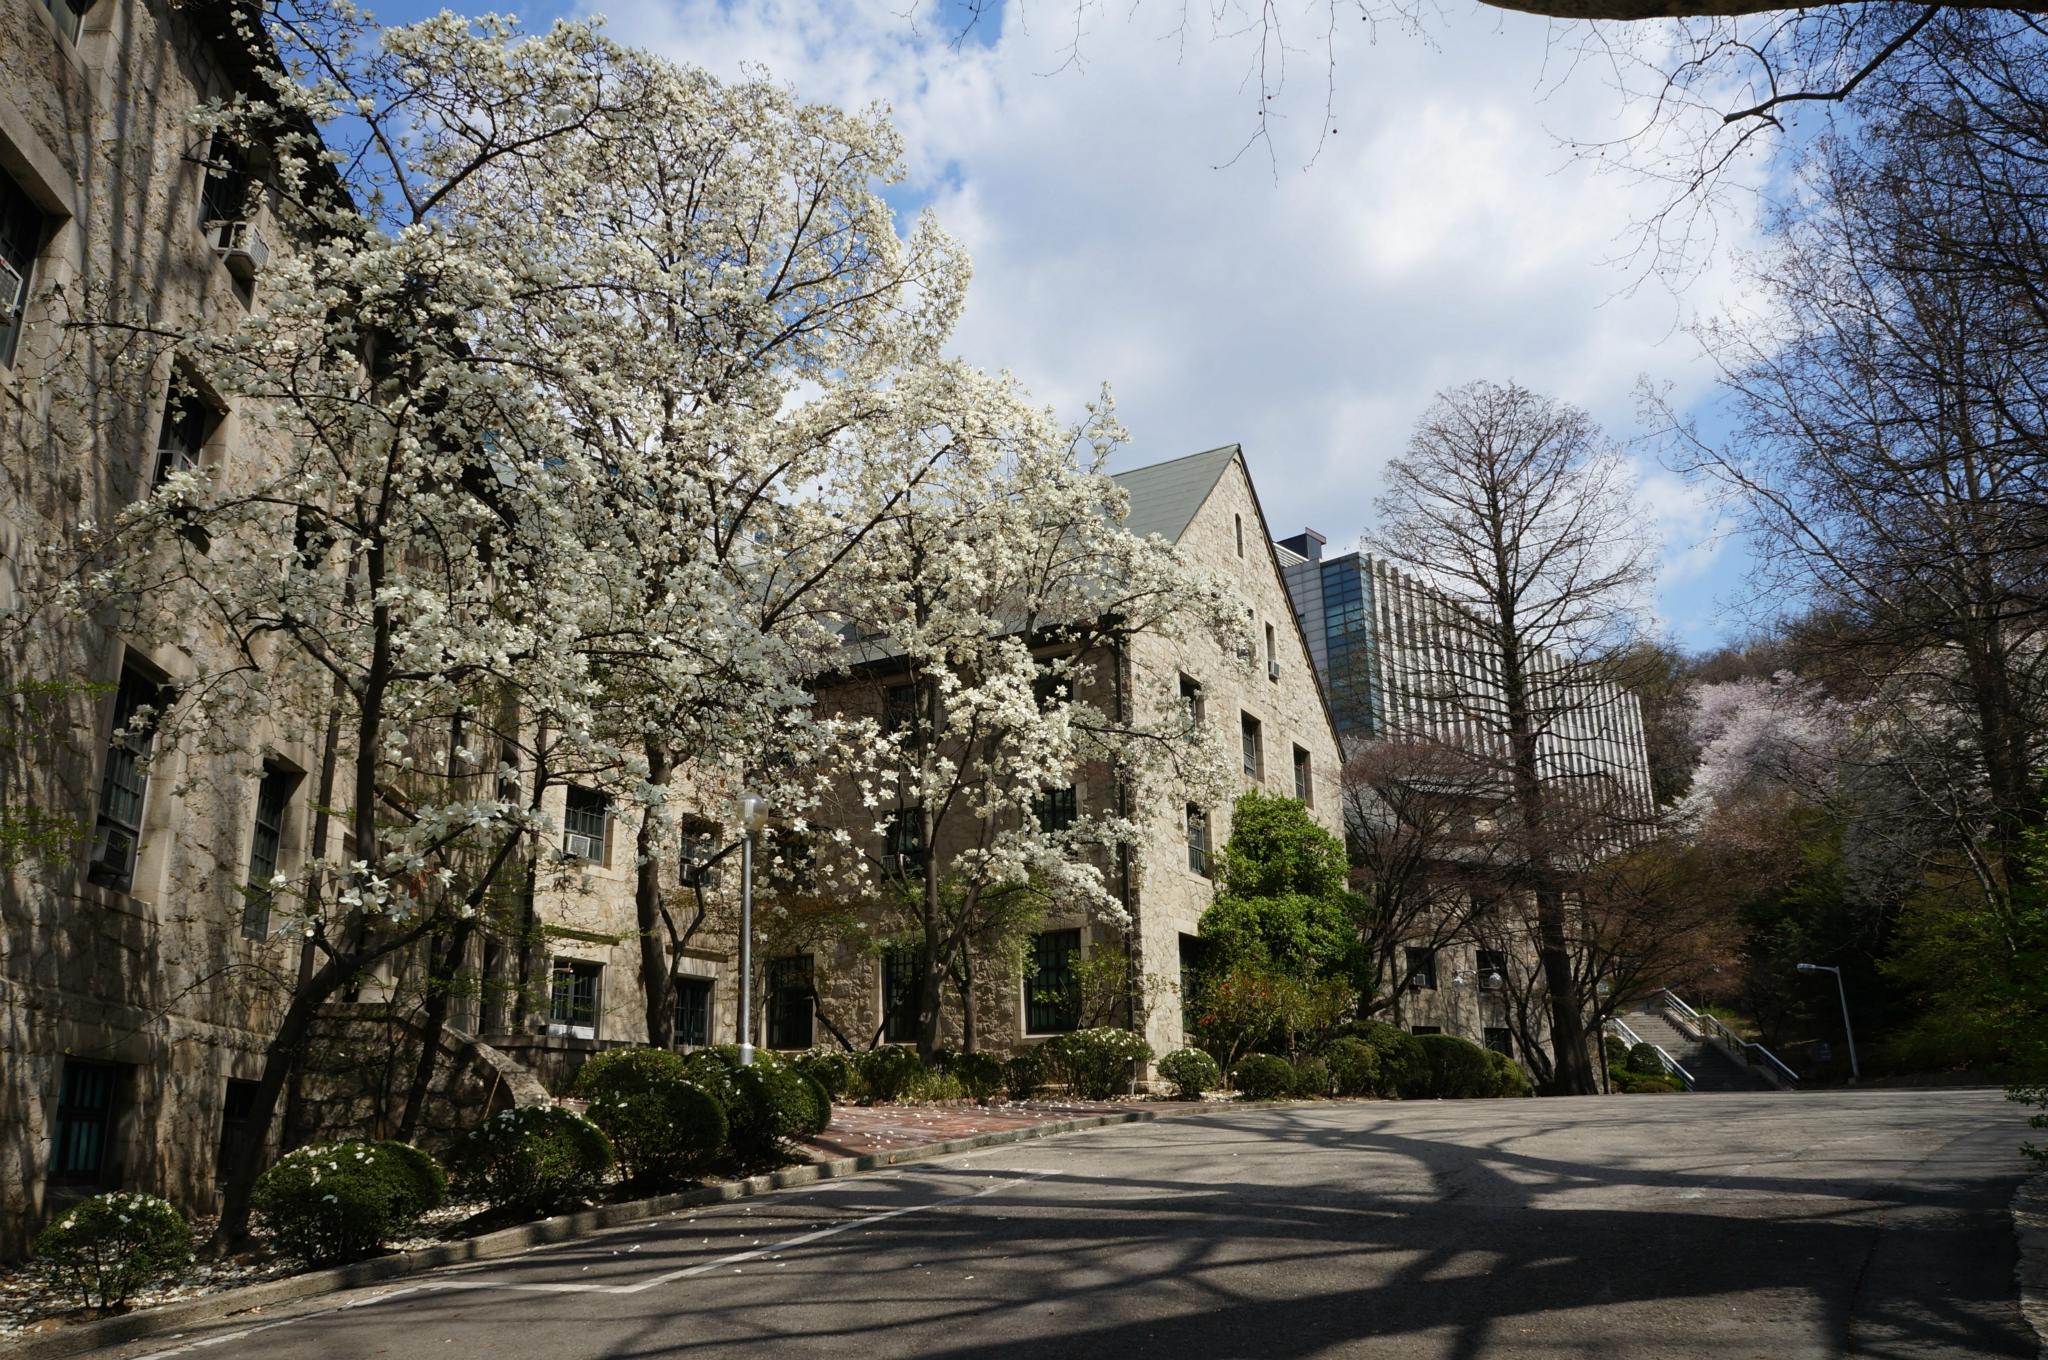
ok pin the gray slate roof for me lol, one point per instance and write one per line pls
(1165, 496)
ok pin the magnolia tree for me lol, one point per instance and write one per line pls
(987, 621)
(580, 378)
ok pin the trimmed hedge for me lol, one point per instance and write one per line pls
(1096, 1063)
(830, 1068)
(1354, 1067)
(1023, 1073)
(1403, 1071)
(1457, 1068)
(766, 1105)
(336, 1202)
(112, 1246)
(1192, 1072)
(663, 1125)
(980, 1074)
(1643, 1060)
(1312, 1079)
(1509, 1078)
(531, 1157)
(1264, 1077)
(890, 1073)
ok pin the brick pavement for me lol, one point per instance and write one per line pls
(860, 1129)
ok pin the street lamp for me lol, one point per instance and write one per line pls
(1843, 992)
(753, 810)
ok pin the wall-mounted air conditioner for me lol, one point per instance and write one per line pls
(1272, 670)
(241, 248)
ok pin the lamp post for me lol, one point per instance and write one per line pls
(753, 811)
(1843, 992)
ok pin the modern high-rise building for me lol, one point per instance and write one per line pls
(1404, 662)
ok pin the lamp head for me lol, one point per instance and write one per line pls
(1808, 968)
(753, 810)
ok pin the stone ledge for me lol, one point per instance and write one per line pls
(172, 1317)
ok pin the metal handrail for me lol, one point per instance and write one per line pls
(1748, 1047)
(1671, 1064)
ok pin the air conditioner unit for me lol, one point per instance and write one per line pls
(10, 293)
(242, 248)
(583, 846)
(1272, 670)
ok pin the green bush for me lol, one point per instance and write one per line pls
(1312, 1079)
(1096, 1063)
(1403, 1071)
(112, 1246)
(1458, 1068)
(1617, 1051)
(1192, 1072)
(817, 1104)
(531, 1157)
(1354, 1067)
(1642, 1083)
(1509, 1079)
(830, 1068)
(664, 1123)
(1264, 1077)
(980, 1074)
(889, 1074)
(338, 1201)
(1643, 1060)
(771, 1108)
(1023, 1074)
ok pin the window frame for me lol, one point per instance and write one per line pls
(784, 1002)
(1191, 699)
(1053, 953)
(901, 978)
(189, 417)
(1252, 734)
(903, 847)
(581, 1018)
(274, 792)
(1419, 975)
(575, 823)
(1304, 777)
(689, 986)
(24, 231)
(125, 758)
(73, 1118)
(1056, 809)
(1201, 853)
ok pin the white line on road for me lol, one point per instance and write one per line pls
(668, 1277)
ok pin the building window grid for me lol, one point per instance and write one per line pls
(124, 784)
(85, 1122)
(1056, 809)
(902, 980)
(1052, 1001)
(1254, 757)
(1198, 840)
(572, 998)
(585, 816)
(1304, 783)
(693, 1011)
(21, 238)
(1421, 968)
(791, 994)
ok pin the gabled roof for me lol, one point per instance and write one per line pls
(1165, 496)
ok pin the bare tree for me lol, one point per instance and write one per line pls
(1516, 513)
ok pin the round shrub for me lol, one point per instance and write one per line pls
(980, 1074)
(663, 1125)
(1458, 1069)
(771, 1106)
(531, 1157)
(1264, 1077)
(338, 1201)
(889, 1074)
(1644, 1084)
(1096, 1063)
(1508, 1077)
(1192, 1072)
(1403, 1070)
(1023, 1074)
(1643, 1059)
(1354, 1067)
(817, 1104)
(112, 1246)
(1312, 1079)
(830, 1068)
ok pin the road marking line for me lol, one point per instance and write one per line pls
(668, 1277)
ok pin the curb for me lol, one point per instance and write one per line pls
(171, 1317)
(2030, 1226)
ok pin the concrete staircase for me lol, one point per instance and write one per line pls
(1709, 1064)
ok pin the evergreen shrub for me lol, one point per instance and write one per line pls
(1312, 1079)
(335, 1202)
(1023, 1073)
(1262, 1076)
(1354, 1067)
(664, 1124)
(531, 1157)
(109, 1248)
(1193, 1073)
(1096, 1064)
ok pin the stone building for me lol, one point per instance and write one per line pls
(1267, 708)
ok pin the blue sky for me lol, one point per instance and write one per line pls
(1306, 303)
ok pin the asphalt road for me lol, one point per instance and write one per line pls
(1867, 1224)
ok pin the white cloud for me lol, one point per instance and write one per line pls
(1441, 235)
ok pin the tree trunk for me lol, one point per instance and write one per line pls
(441, 980)
(657, 989)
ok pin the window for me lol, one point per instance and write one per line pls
(572, 999)
(902, 981)
(794, 862)
(1055, 809)
(1191, 698)
(1052, 998)
(224, 197)
(21, 240)
(1421, 967)
(1049, 689)
(273, 796)
(1254, 761)
(1425, 1029)
(693, 1011)
(585, 816)
(236, 1107)
(1272, 655)
(70, 16)
(899, 708)
(188, 422)
(1238, 522)
(903, 847)
(1198, 840)
(700, 868)
(1492, 967)
(124, 783)
(791, 994)
(85, 1122)
(1500, 1039)
(1304, 785)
